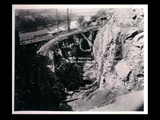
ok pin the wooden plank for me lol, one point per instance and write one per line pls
(69, 100)
(87, 39)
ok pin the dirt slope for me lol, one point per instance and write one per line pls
(129, 102)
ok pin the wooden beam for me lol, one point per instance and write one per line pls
(87, 39)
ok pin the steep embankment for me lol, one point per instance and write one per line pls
(119, 55)
(119, 51)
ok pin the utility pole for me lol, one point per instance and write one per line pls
(57, 21)
(68, 21)
(71, 14)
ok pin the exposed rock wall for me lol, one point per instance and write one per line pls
(119, 51)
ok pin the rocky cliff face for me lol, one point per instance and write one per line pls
(118, 63)
(119, 51)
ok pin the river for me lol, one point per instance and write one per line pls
(62, 26)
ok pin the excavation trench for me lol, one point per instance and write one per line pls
(71, 74)
(68, 62)
(64, 75)
(44, 78)
(63, 69)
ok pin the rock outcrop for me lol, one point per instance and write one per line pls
(118, 65)
(119, 52)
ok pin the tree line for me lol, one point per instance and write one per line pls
(35, 19)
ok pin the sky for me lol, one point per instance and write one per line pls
(84, 9)
(74, 8)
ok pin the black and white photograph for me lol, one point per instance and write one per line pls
(79, 59)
